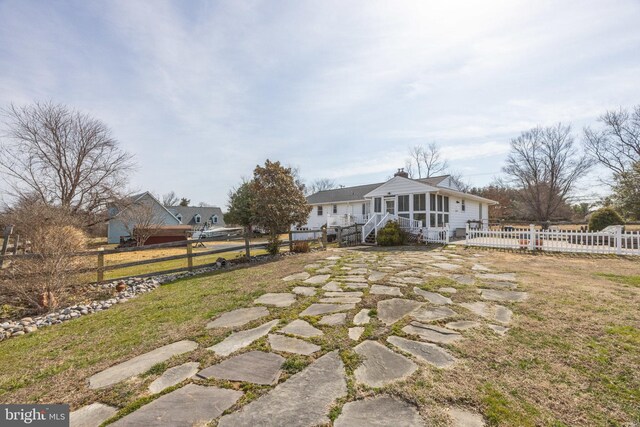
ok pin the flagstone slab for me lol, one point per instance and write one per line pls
(500, 285)
(356, 285)
(381, 366)
(312, 266)
(333, 319)
(292, 345)
(298, 276)
(385, 290)
(91, 415)
(356, 265)
(319, 309)
(448, 290)
(303, 400)
(362, 317)
(426, 352)
(392, 310)
(304, 291)
(396, 281)
(283, 299)
(139, 364)
(332, 287)
(302, 329)
(173, 376)
(340, 300)
(190, 405)
(344, 294)
(317, 280)
(432, 333)
(413, 280)
(255, 367)
(376, 276)
(356, 332)
(358, 271)
(480, 267)
(496, 313)
(464, 279)
(503, 314)
(447, 266)
(465, 418)
(498, 329)
(501, 277)
(333, 258)
(500, 295)
(430, 314)
(238, 317)
(356, 279)
(462, 325)
(238, 340)
(432, 297)
(379, 411)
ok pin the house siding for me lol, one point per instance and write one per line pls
(116, 228)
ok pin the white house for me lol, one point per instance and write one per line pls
(419, 205)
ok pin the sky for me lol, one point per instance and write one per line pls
(200, 92)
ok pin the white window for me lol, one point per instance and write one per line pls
(335, 209)
(364, 208)
(214, 219)
(377, 205)
(439, 215)
(179, 217)
(464, 208)
(403, 203)
(197, 218)
(319, 210)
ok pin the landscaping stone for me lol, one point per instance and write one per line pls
(298, 276)
(430, 314)
(312, 266)
(496, 313)
(413, 280)
(447, 266)
(500, 330)
(276, 299)
(480, 267)
(319, 309)
(139, 364)
(462, 325)
(356, 285)
(429, 353)
(465, 418)
(432, 333)
(340, 300)
(503, 314)
(356, 332)
(189, 405)
(392, 310)
(501, 285)
(303, 400)
(173, 376)
(301, 328)
(432, 297)
(332, 286)
(499, 295)
(358, 271)
(381, 366)
(362, 318)
(323, 270)
(304, 290)
(385, 290)
(91, 415)
(238, 317)
(448, 290)
(464, 279)
(376, 276)
(255, 367)
(292, 345)
(241, 339)
(317, 280)
(501, 277)
(333, 319)
(360, 279)
(379, 411)
(343, 294)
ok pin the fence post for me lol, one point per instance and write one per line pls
(247, 244)
(100, 270)
(619, 240)
(339, 236)
(7, 233)
(290, 241)
(532, 237)
(190, 255)
(324, 237)
(16, 242)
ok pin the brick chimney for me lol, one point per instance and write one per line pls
(401, 173)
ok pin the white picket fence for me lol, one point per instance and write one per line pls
(602, 242)
(437, 234)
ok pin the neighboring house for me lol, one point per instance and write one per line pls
(417, 204)
(197, 218)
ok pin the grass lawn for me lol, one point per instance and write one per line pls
(570, 358)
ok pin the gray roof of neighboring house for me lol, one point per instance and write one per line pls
(347, 194)
(188, 213)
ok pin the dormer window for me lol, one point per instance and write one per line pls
(214, 219)
(197, 219)
(179, 217)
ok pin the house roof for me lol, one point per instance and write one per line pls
(188, 213)
(345, 194)
(433, 180)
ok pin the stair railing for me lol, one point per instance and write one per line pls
(370, 226)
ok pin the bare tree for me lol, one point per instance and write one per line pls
(64, 157)
(460, 182)
(140, 219)
(321, 184)
(170, 199)
(545, 166)
(617, 144)
(425, 161)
